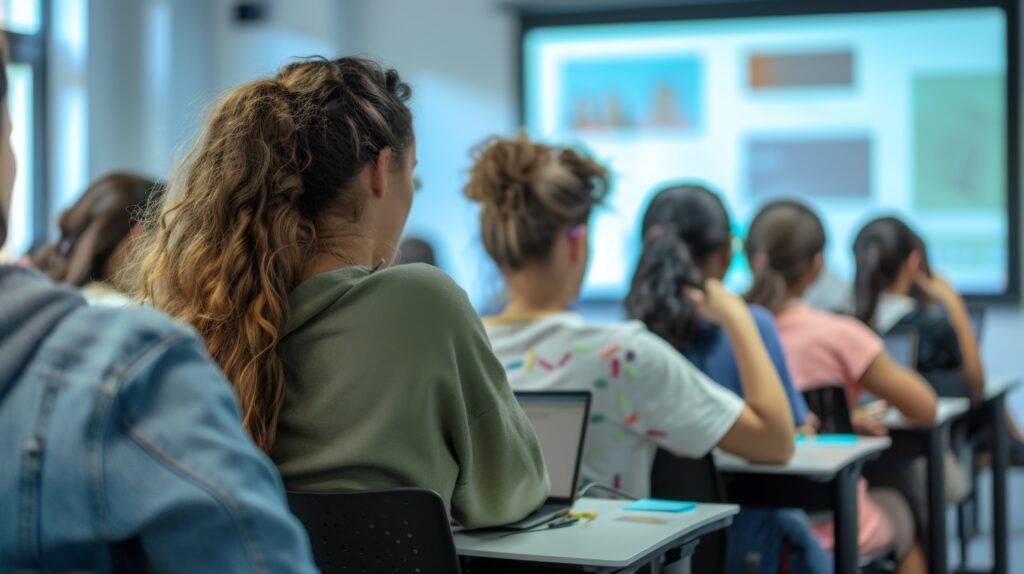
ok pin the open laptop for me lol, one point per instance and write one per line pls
(901, 345)
(559, 420)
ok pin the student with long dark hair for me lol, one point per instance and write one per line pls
(785, 246)
(895, 289)
(276, 244)
(688, 241)
(536, 201)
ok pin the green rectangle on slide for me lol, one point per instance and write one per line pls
(959, 128)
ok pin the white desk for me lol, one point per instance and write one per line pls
(820, 476)
(946, 410)
(995, 386)
(811, 460)
(603, 543)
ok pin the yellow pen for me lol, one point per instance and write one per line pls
(582, 515)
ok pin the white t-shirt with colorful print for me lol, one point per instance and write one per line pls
(646, 394)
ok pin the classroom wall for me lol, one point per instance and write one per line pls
(460, 56)
(148, 77)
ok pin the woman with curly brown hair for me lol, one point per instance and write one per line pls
(275, 244)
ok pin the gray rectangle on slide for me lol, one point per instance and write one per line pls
(804, 70)
(826, 168)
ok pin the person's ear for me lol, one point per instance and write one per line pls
(913, 264)
(380, 169)
(577, 239)
(725, 256)
(817, 266)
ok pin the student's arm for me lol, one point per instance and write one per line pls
(764, 431)
(803, 418)
(502, 477)
(179, 471)
(956, 310)
(901, 388)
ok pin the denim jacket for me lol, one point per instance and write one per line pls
(120, 439)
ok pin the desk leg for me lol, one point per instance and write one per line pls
(936, 503)
(1000, 467)
(844, 501)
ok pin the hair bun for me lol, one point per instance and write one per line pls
(504, 172)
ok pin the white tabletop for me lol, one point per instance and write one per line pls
(812, 459)
(1000, 384)
(946, 409)
(607, 541)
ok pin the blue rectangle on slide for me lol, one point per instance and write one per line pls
(818, 168)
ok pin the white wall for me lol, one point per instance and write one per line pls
(459, 56)
(148, 78)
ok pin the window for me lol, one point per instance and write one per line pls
(22, 24)
(21, 16)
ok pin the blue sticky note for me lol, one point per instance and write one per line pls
(657, 505)
(829, 439)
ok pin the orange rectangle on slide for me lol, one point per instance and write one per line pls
(801, 70)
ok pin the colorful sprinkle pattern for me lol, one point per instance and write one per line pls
(619, 363)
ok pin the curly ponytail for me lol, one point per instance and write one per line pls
(683, 226)
(244, 212)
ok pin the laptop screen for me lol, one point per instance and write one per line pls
(902, 347)
(560, 423)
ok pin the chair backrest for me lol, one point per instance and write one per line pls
(383, 531)
(829, 404)
(697, 480)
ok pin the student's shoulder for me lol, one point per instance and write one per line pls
(420, 289)
(763, 318)
(417, 280)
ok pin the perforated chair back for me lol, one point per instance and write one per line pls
(829, 404)
(400, 531)
(696, 480)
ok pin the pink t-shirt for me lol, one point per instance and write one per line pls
(828, 349)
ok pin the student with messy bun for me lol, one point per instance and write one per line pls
(687, 240)
(276, 246)
(536, 202)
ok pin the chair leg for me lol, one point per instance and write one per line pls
(962, 528)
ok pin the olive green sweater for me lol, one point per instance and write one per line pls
(392, 382)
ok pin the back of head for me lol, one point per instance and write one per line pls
(782, 244)
(416, 250)
(529, 193)
(269, 185)
(683, 226)
(881, 249)
(94, 227)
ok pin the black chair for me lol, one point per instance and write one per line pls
(696, 480)
(829, 404)
(384, 531)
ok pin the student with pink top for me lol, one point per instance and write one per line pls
(784, 246)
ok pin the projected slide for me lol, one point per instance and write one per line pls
(857, 114)
(633, 95)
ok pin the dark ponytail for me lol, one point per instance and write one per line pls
(682, 227)
(880, 250)
(782, 243)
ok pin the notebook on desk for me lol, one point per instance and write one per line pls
(559, 420)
